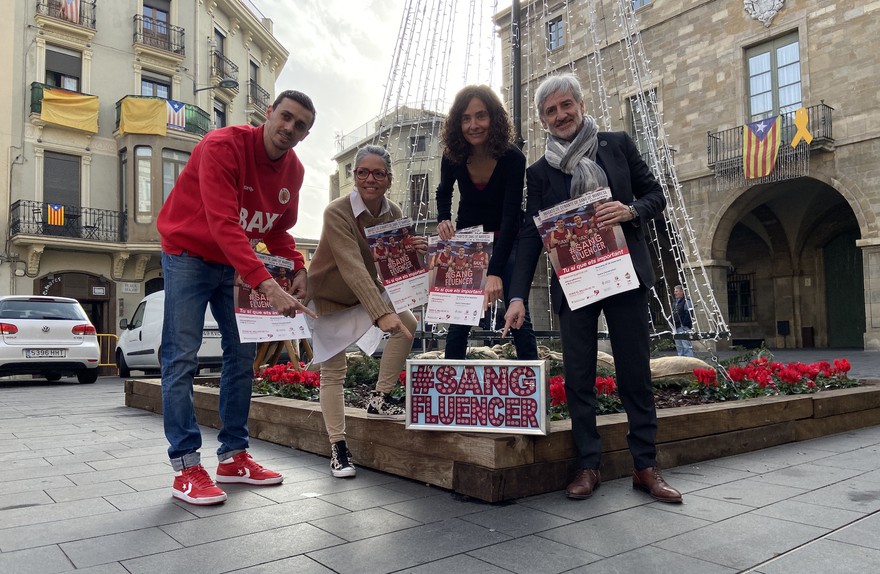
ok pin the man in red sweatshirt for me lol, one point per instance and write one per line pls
(240, 186)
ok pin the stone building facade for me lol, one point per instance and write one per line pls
(793, 259)
(82, 187)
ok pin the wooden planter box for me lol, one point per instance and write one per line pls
(496, 467)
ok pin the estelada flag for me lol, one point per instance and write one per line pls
(69, 10)
(760, 146)
(56, 214)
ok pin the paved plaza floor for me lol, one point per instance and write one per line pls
(86, 485)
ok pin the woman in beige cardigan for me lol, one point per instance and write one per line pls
(349, 299)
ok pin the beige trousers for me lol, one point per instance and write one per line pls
(393, 361)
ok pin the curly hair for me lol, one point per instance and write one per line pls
(456, 148)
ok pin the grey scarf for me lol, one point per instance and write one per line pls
(578, 158)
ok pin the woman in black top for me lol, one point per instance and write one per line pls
(479, 155)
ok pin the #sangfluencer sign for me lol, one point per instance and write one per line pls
(480, 396)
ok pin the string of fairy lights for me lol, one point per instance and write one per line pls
(440, 38)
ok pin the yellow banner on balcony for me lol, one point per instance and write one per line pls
(71, 109)
(142, 116)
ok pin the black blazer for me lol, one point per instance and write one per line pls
(631, 182)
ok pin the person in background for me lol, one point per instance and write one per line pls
(580, 159)
(240, 187)
(480, 157)
(349, 299)
(681, 318)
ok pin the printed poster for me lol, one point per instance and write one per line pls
(398, 263)
(458, 269)
(256, 319)
(591, 263)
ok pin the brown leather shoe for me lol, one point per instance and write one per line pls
(585, 482)
(649, 480)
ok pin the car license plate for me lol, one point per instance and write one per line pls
(44, 353)
(211, 334)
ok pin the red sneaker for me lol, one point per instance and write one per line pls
(195, 486)
(243, 469)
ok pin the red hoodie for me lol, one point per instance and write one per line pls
(229, 197)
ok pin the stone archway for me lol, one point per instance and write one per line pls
(94, 292)
(773, 237)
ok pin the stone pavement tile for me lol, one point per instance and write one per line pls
(247, 551)
(867, 458)
(55, 512)
(825, 556)
(844, 442)
(31, 473)
(112, 568)
(25, 463)
(862, 533)
(116, 547)
(239, 498)
(706, 473)
(364, 498)
(459, 564)
(69, 493)
(245, 522)
(296, 473)
(68, 431)
(812, 514)
(112, 463)
(159, 451)
(89, 527)
(437, 508)
(163, 442)
(873, 476)
(322, 486)
(13, 446)
(414, 489)
(622, 531)
(854, 494)
(364, 523)
(30, 454)
(751, 492)
(407, 548)
(774, 458)
(742, 541)
(95, 477)
(650, 559)
(516, 520)
(608, 498)
(808, 476)
(28, 484)
(142, 499)
(91, 442)
(295, 565)
(22, 500)
(47, 560)
(533, 554)
(704, 508)
(86, 457)
(151, 482)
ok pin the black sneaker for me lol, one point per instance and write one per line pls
(341, 464)
(382, 406)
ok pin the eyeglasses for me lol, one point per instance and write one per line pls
(363, 173)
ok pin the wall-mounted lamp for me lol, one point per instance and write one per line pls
(19, 272)
(227, 83)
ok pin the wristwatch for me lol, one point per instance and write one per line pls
(632, 210)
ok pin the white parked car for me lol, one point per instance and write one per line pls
(140, 341)
(47, 336)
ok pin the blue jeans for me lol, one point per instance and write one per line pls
(523, 338)
(191, 284)
(683, 347)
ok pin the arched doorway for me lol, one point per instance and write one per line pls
(794, 277)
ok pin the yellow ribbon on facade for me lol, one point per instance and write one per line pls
(801, 119)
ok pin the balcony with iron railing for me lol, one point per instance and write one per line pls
(195, 120)
(71, 221)
(258, 99)
(81, 13)
(725, 148)
(161, 35)
(222, 67)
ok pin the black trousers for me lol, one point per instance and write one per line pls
(627, 317)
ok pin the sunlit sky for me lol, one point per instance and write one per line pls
(340, 56)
